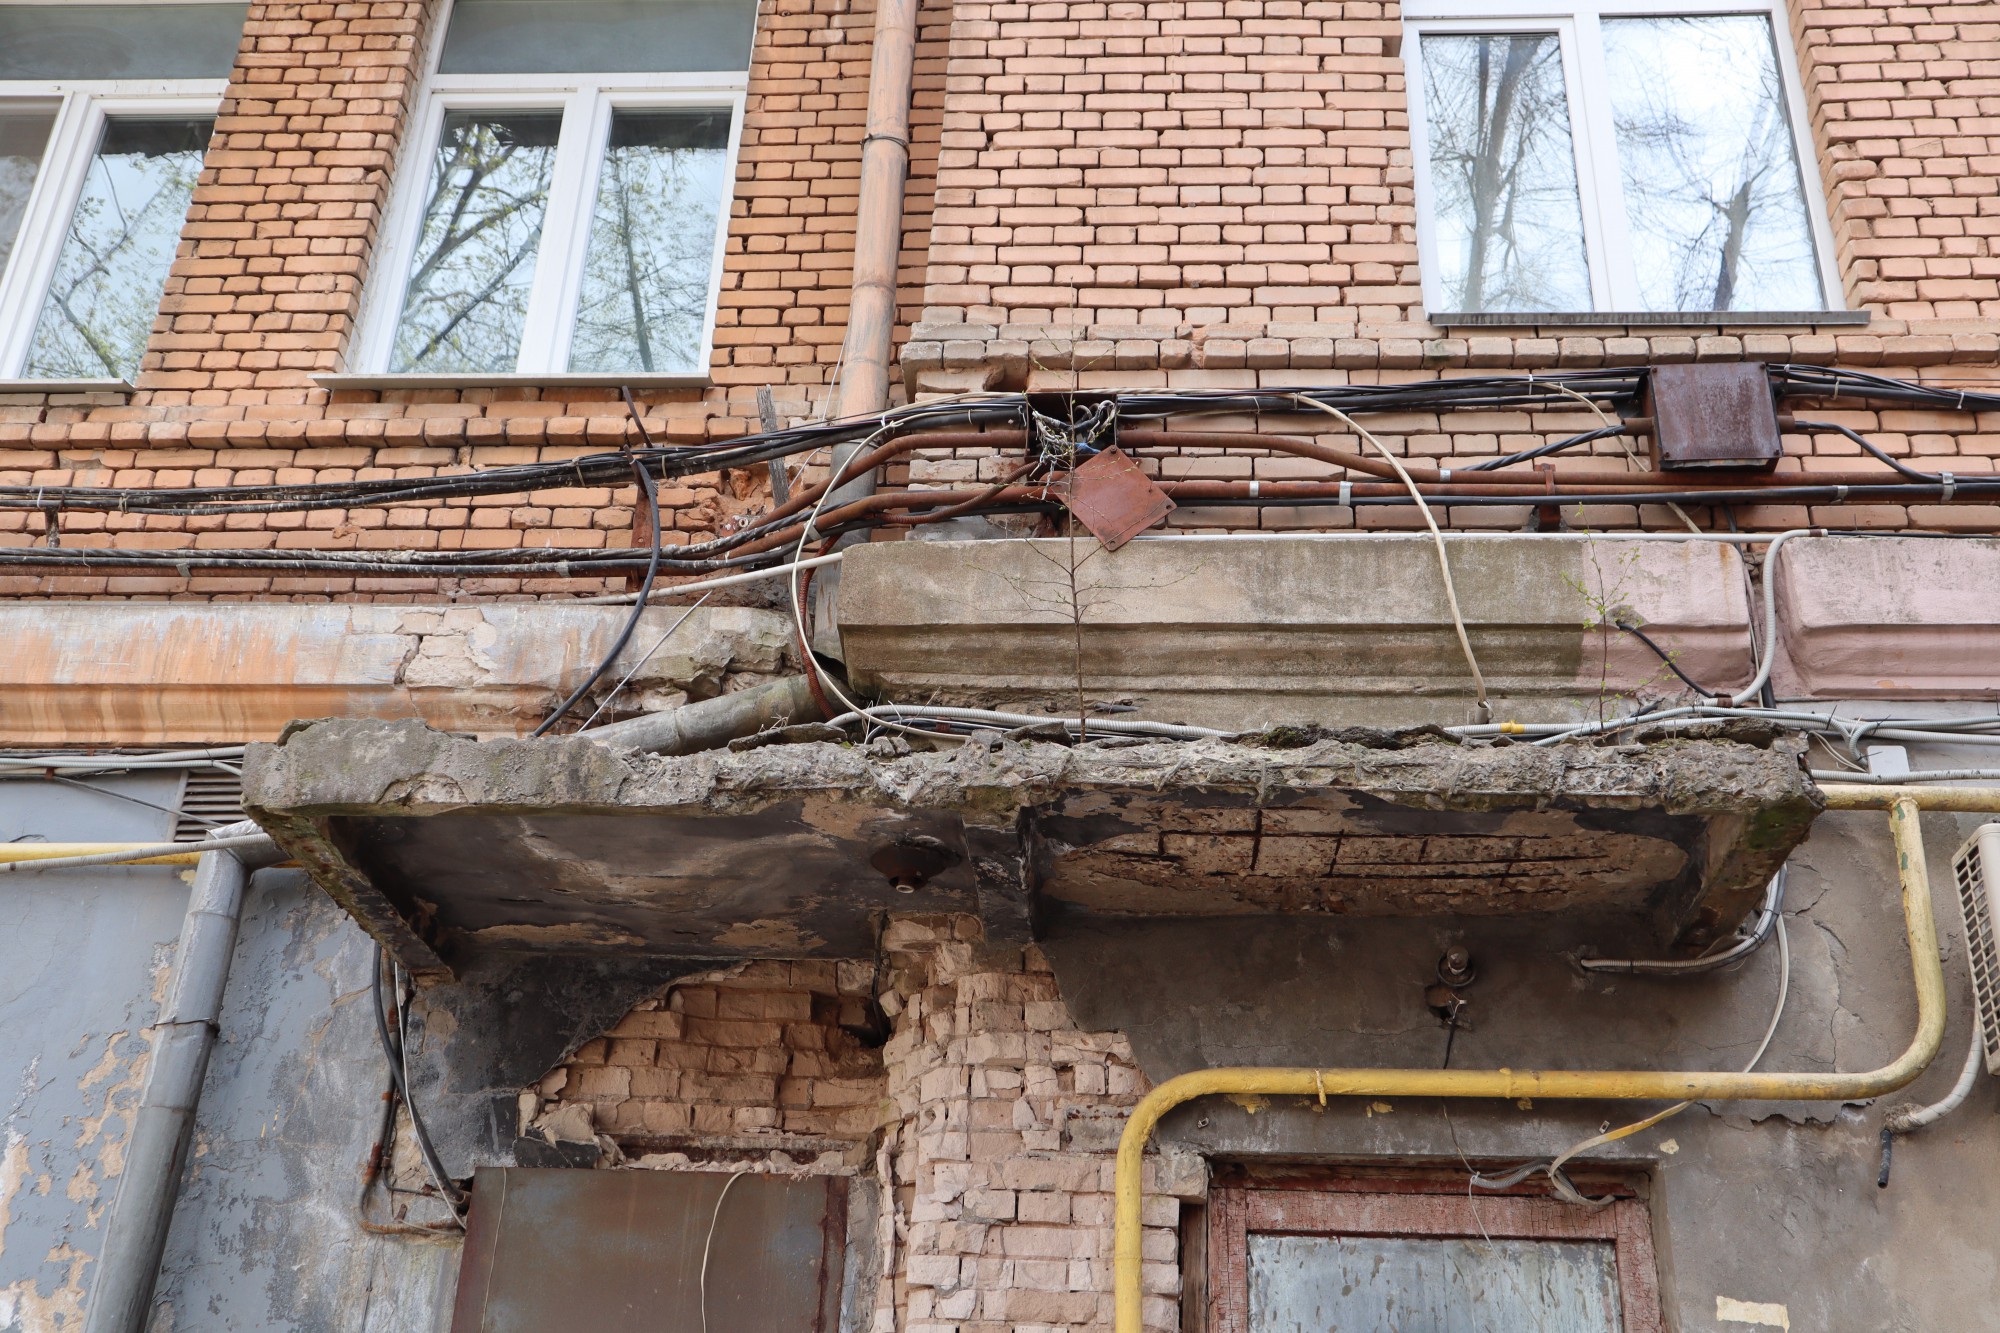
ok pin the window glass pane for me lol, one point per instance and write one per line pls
(1713, 196)
(119, 41)
(1508, 223)
(121, 240)
(652, 243)
(467, 296)
(1367, 1284)
(24, 136)
(597, 36)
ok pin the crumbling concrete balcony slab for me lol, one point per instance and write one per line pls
(444, 847)
(1244, 633)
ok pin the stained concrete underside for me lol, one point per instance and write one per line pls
(447, 848)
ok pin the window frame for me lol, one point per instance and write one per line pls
(82, 107)
(586, 102)
(1416, 1204)
(1593, 141)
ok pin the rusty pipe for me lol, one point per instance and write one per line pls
(1920, 929)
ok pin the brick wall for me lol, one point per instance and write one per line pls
(274, 263)
(1203, 193)
(753, 1052)
(996, 1117)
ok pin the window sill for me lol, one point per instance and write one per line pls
(638, 380)
(65, 386)
(1744, 319)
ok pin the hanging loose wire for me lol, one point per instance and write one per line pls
(650, 492)
(1559, 1180)
(395, 1051)
(1484, 710)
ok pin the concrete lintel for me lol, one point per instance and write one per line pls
(1240, 634)
(155, 673)
(449, 849)
(1889, 618)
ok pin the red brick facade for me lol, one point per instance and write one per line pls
(1206, 193)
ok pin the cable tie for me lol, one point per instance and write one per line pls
(1320, 1083)
(1839, 494)
(1347, 495)
(1950, 485)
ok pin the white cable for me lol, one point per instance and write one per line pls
(605, 702)
(146, 853)
(707, 585)
(1770, 654)
(1437, 536)
(1012, 721)
(713, 1218)
(1555, 1166)
(814, 670)
(1906, 1118)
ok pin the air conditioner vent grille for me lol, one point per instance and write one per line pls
(1976, 870)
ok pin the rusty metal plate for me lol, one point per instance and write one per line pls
(1713, 415)
(1111, 496)
(621, 1251)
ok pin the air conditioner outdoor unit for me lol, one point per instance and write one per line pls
(1976, 869)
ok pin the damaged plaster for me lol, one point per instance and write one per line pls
(449, 849)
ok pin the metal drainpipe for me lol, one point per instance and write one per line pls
(182, 1038)
(1902, 803)
(878, 230)
(863, 388)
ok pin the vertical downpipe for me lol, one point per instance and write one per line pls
(863, 387)
(183, 1035)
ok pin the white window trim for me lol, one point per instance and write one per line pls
(82, 107)
(586, 101)
(1592, 138)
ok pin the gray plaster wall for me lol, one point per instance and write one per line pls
(266, 1234)
(1764, 1204)
(84, 957)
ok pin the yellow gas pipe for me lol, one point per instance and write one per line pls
(1903, 804)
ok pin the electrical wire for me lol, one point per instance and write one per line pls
(1559, 1181)
(713, 1218)
(393, 1052)
(1747, 943)
(1613, 386)
(1541, 451)
(625, 679)
(1873, 449)
(1484, 711)
(1665, 657)
(652, 495)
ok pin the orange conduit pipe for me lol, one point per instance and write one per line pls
(1902, 803)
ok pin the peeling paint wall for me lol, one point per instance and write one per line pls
(267, 1232)
(84, 957)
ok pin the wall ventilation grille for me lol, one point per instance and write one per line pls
(212, 797)
(1976, 869)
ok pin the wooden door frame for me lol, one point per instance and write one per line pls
(1416, 1205)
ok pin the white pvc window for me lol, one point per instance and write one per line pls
(563, 209)
(105, 116)
(1605, 156)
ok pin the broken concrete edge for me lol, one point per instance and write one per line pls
(320, 772)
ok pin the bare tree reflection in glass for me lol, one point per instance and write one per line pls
(24, 137)
(1714, 201)
(120, 244)
(1508, 219)
(644, 301)
(467, 298)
